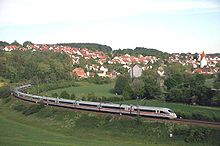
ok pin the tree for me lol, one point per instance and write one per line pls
(198, 80)
(218, 64)
(203, 93)
(5, 91)
(175, 95)
(217, 82)
(24, 65)
(137, 87)
(216, 99)
(15, 43)
(64, 94)
(121, 84)
(26, 43)
(72, 96)
(151, 84)
(3, 44)
(55, 95)
(170, 83)
(186, 95)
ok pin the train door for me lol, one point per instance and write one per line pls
(99, 106)
(131, 108)
(76, 103)
(126, 108)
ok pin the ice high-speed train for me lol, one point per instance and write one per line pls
(96, 106)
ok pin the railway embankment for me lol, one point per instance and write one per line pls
(77, 127)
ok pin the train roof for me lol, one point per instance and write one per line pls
(66, 100)
(89, 102)
(153, 108)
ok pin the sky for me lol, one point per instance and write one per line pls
(168, 25)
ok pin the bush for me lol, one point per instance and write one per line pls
(84, 98)
(181, 130)
(216, 118)
(198, 134)
(91, 95)
(20, 108)
(5, 91)
(55, 95)
(73, 96)
(6, 100)
(121, 84)
(33, 109)
(99, 80)
(64, 94)
(52, 86)
(47, 112)
(183, 115)
(200, 116)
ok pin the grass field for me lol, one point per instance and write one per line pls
(85, 88)
(59, 127)
(209, 112)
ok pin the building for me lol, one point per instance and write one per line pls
(160, 71)
(203, 60)
(79, 72)
(135, 71)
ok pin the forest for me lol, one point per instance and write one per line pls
(37, 67)
(141, 50)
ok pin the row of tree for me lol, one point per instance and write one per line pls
(177, 86)
(91, 46)
(141, 50)
(143, 87)
(3, 43)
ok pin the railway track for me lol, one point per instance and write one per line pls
(198, 122)
(177, 121)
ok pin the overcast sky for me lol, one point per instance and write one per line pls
(167, 25)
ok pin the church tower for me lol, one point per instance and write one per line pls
(203, 60)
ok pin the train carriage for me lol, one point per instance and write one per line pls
(96, 106)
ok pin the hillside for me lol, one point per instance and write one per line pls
(49, 66)
(60, 127)
(91, 46)
(143, 51)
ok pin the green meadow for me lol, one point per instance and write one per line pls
(49, 126)
(85, 88)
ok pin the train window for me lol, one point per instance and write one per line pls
(113, 107)
(51, 100)
(91, 105)
(163, 112)
(153, 111)
(170, 111)
(65, 102)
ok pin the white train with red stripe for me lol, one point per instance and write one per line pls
(96, 106)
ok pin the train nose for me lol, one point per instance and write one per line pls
(174, 116)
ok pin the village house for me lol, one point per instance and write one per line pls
(135, 71)
(79, 72)
(160, 71)
(10, 48)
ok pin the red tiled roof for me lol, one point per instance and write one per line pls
(79, 72)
